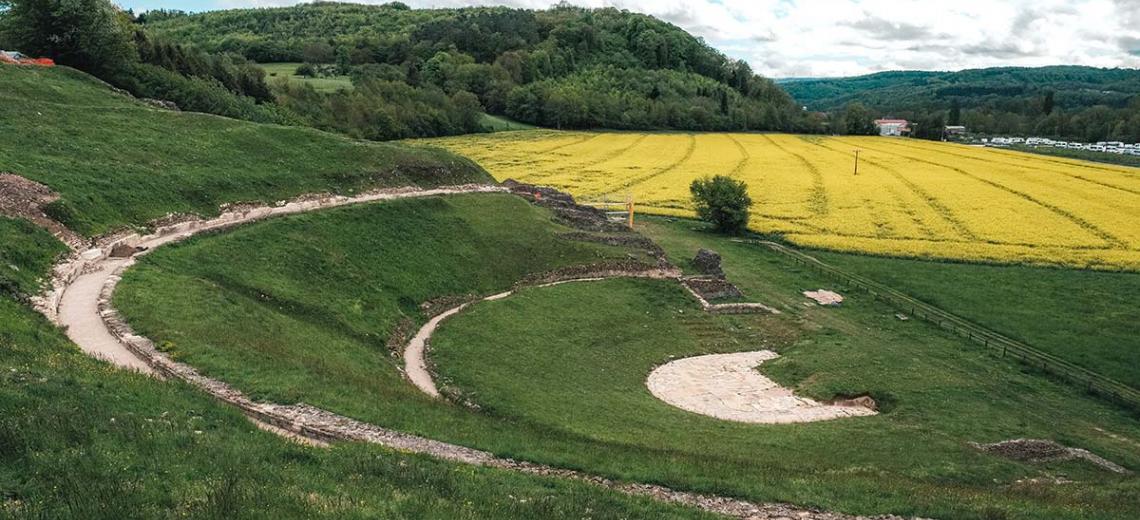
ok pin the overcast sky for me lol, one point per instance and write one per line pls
(796, 38)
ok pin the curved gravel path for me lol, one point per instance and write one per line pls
(74, 296)
(80, 298)
(727, 386)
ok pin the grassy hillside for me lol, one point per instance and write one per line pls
(116, 161)
(79, 439)
(379, 263)
(559, 372)
(26, 254)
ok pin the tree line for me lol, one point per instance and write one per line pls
(97, 37)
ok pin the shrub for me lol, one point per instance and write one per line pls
(196, 94)
(306, 70)
(723, 202)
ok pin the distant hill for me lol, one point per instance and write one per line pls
(1068, 102)
(1073, 87)
(562, 67)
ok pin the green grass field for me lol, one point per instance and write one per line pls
(503, 124)
(288, 70)
(1088, 317)
(118, 162)
(559, 371)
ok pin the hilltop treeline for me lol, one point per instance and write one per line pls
(1065, 102)
(99, 38)
(565, 67)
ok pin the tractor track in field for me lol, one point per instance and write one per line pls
(818, 203)
(80, 300)
(1015, 165)
(692, 147)
(1109, 238)
(608, 156)
(1129, 171)
(745, 156)
(581, 140)
(931, 201)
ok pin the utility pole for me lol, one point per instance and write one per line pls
(857, 161)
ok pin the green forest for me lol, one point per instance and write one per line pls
(565, 67)
(1067, 102)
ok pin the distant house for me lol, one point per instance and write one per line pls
(955, 130)
(892, 127)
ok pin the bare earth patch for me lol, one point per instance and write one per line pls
(24, 198)
(1038, 450)
(825, 297)
(727, 386)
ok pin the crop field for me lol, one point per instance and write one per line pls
(909, 198)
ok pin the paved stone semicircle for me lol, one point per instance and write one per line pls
(728, 386)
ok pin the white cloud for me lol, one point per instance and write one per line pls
(783, 38)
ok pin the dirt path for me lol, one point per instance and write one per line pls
(727, 386)
(79, 311)
(80, 301)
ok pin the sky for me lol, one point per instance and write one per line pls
(826, 38)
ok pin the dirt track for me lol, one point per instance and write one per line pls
(79, 311)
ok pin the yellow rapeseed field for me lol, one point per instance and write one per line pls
(910, 197)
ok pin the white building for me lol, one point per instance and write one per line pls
(892, 127)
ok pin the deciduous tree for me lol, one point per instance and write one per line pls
(723, 202)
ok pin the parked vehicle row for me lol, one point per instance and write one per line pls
(1115, 147)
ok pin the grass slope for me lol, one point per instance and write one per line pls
(79, 439)
(26, 254)
(503, 124)
(346, 276)
(560, 371)
(320, 84)
(1087, 317)
(117, 161)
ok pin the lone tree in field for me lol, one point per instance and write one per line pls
(723, 202)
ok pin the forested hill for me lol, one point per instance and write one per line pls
(1066, 102)
(562, 67)
(1073, 87)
